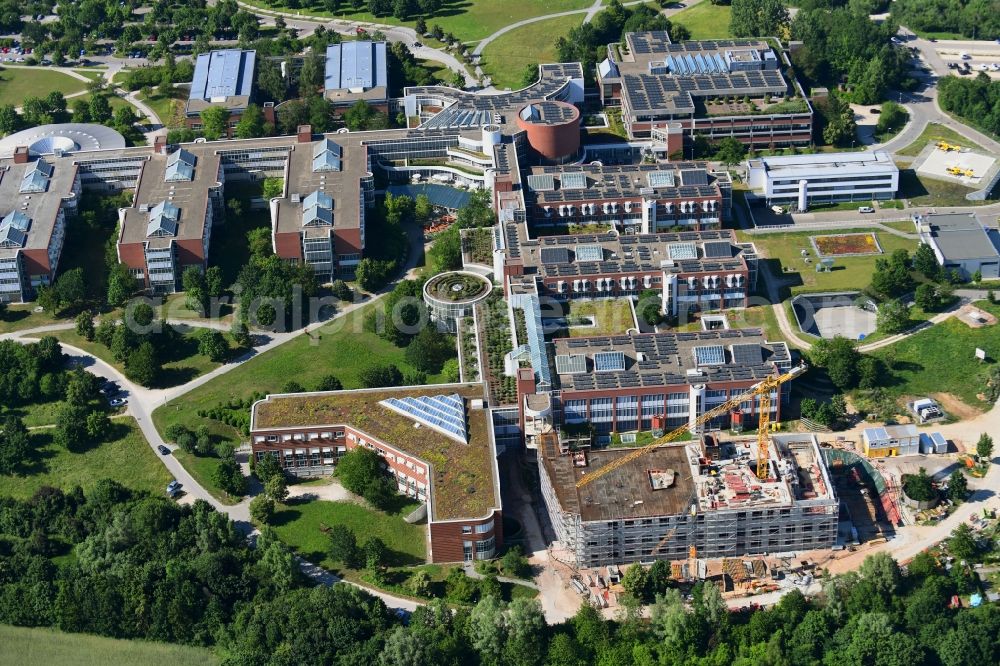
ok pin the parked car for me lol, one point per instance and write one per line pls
(118, 402)
(865, 209)
(777, 210)
(875, 111)
(173, 488)
(164, 451)
(965, 56)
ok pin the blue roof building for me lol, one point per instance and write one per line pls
(356, 70)
(222, 78)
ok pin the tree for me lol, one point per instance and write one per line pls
(730, 151)
(85, 326)
(213, 282)
(840, 358)
(273, 188)
(362, 116)
(925, 261)
(71, 428)
(142, 365)
(262, 509)
(429, 349)
(71, 289)
(343, 546)
(446, 252)
(241, 334)
(958, 486)
(276, 488)
(10, 121)
(340, 289)
(650, 307)
(892, 316)
(375, 553)
(251, 123)
(634, 581)
(329, 383)
(121, 285)
(422, 209)
(195, 290)
(213, 344)
(360, 472)
(421, 25)
(487, 629)
(215, 122)
(925, 296)
(984, 447)
(229, 478)
(892, 276)
(515, 564)
(14, 444)
(98, 426)
(962, 543)
(378, 376)
(100, 109)
(758, 18)
(372, 274)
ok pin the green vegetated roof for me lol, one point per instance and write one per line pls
(462, 478)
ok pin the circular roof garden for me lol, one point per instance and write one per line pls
(458, 287)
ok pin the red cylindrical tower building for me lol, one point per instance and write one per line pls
(553, 129)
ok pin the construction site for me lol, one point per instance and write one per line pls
(689, 500)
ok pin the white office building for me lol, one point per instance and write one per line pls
(804, 180)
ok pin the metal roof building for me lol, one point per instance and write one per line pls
(963, 243)
(825, 177)
(222, 78)
(356, 70)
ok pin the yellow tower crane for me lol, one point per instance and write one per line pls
(762, 389)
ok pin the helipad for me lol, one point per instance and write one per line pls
(967, 167)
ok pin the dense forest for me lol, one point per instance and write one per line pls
(978, 19)
(116, 563)
(976, 101)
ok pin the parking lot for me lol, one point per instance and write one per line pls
(971, 62)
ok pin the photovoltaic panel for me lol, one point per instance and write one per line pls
(710, 355)
(718, 249)
(747, 354)
(694, 177)
(570, 364)
(555, 255)
(613, 361)
(444, 413)
(576, 180)
(589, 253)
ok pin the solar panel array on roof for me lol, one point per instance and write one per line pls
(541, 182)
(718, 250)
(613, 361)
(679, 251)
(444, 413)
(223, 73)
(589, 253)
(570, 364)
(747, 354)
(694, 177)
(710, 355)
(354, 65)
(555, 255)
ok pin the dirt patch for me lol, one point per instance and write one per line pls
(973, 317)
(956, 407)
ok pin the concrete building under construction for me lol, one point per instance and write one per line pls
(688, 500)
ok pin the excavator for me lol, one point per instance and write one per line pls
(761, 390)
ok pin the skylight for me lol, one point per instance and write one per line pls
(443, 413)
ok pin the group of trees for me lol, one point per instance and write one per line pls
(587, 44)
(977, 19)
(268, 287)
(846, 366)
(975, 100)
(388, 243)
(360, 471)
(145, 567)
(842, 45)
(832, 413)
(446, 253)
(758, 18)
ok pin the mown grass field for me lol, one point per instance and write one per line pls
(468, 20)
(341, 348)
(299, 525)
(936, 132)
(783, 251)
(23, 646)
(941, 359)
(168, 108)
(705, 21)
(19, 317)
(505, 58)
(16, 84)
(127, 459)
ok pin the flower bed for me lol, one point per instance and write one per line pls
(839, 245)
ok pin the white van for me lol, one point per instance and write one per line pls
(777, 210)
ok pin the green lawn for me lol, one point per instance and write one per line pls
(169, 109)
(756, 316)
(23, 646)
(936, 132)
(340, 348)
(126, 459)
(612, 317)
(184, 364)
(16, 84)
(300, 524)
(941, 359)
(783, 254)
(505, 58)
(20, 317)
(468, 20)
(36, 414)
(202, 468)
(705, 21)
(92, 74)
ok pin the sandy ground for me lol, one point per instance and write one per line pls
(332, 491)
